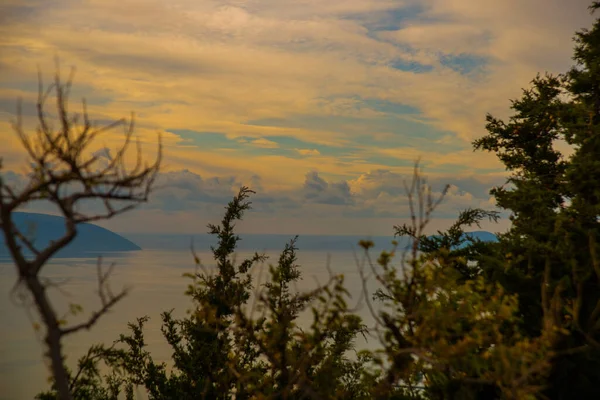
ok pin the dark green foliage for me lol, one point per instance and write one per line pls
(555, 207)
(222, 352)
(431, 333)
(453, 245)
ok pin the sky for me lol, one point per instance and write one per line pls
(322, 107)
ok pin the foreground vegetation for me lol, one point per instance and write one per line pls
(516, 319)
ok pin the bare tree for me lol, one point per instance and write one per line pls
(66, 173)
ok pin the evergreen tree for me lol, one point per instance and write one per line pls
(555, 206)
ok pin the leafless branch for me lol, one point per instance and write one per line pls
(64, 173)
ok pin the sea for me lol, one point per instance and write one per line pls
(154, 278)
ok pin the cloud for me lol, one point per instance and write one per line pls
(104, 157)
(103, 153)
(361, 87)
(308, 152)
(199, 47)
(185, 190)
(183, 201)
(318, 190)
(264, 143)
(375, 194)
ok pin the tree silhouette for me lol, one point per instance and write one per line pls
(65, 173)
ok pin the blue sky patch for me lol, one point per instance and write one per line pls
(203, 138)
(292, 143)
(78, 91)
(391, 20)
(389, 161)
(288, 146)
(390, 107)
(391, 130)
(411, 66)
(463, 63)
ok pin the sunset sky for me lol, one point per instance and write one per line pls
(321, 106)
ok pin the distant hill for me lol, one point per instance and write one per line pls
(91, 240)
(483, 236)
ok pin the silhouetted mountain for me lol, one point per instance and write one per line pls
(483, 236)
(91, 240)
(480, 235)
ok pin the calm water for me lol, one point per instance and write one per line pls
(157, 285)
